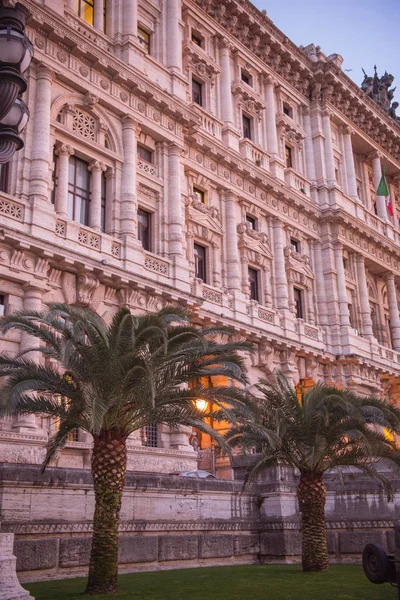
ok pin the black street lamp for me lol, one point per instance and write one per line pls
(16, 53)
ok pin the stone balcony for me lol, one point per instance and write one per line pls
(297, 182)
(209, 124)
(254, 154)
(146, 168)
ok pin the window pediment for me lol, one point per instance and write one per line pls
(251, 238)
(248, 98)
(200, 63)
(296, 262)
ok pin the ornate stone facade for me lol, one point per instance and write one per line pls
(188, 152)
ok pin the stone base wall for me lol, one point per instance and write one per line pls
(172, 522)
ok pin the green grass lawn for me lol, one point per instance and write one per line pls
(255, 582)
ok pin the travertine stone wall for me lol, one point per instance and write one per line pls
(170, 522)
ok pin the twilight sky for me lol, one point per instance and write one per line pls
(364, 32)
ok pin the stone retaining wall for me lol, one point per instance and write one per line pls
(170, 522)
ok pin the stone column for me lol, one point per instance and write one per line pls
(267, 287)
(320, 284)
(10, 588)
(40, 153)
(98, 20)
(232, 251)
(329, 157)
(226, 90)
(175, 212)
(129, 29)
(309, 150)
(32, 302)
(245, 276)
(216, 265)
(380, 200)
(281, 283)
(270, 116)
(366, 321)
(128, 214)
(71, 4)
(393, 311)
(174, 42)
(341, 285)
(349, 160)
(63, 151)
(97, 169)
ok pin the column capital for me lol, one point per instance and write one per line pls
(305, 109)
(269, 79)
(347, 130)
(128, 122)
(375, 154)
(44, 72)
(97, 165)
(360, 258)
(389, 276)
(225, 43)
(174, 149)
(327, 112)
(62, 148)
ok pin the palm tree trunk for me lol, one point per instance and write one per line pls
(108, 470)
(311, 494)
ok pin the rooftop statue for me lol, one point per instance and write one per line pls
(377, 88)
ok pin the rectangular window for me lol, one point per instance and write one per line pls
(144, 228)
(2, 305)
(298, 303)
(73, 435)
(295, 245)
(199, 195)
(200, 268)
(145, 154)
(5, 177)
(253, 283)
(78, 190)
(246, 121)
(245, 77)
(287, 110)
(288, 157)
(85, 10)
(144, 38)
(196, 39)
(149, 435)
(251, 222)
(197, 92)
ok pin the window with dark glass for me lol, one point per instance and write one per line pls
(200, 270)
(253, 283)
(78, 190)
(149, 435)
(196, 39)
(103, 201)
(287, 110)
(145, 153)
(85, 10)
(245, 77)
(288, 157)
(246, 122)
(5, 177)
(251, 222)
(295, 245)
(199, 195)
(298, 303)
(351, 316)
(144, 38)
(2, 305)
(54, 177)
(144, 228)
(197, 92)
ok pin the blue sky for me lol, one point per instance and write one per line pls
(364, 32)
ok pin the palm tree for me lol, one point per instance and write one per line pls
(111, 380)
(315, 431)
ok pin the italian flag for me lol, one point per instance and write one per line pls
(383, 190)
